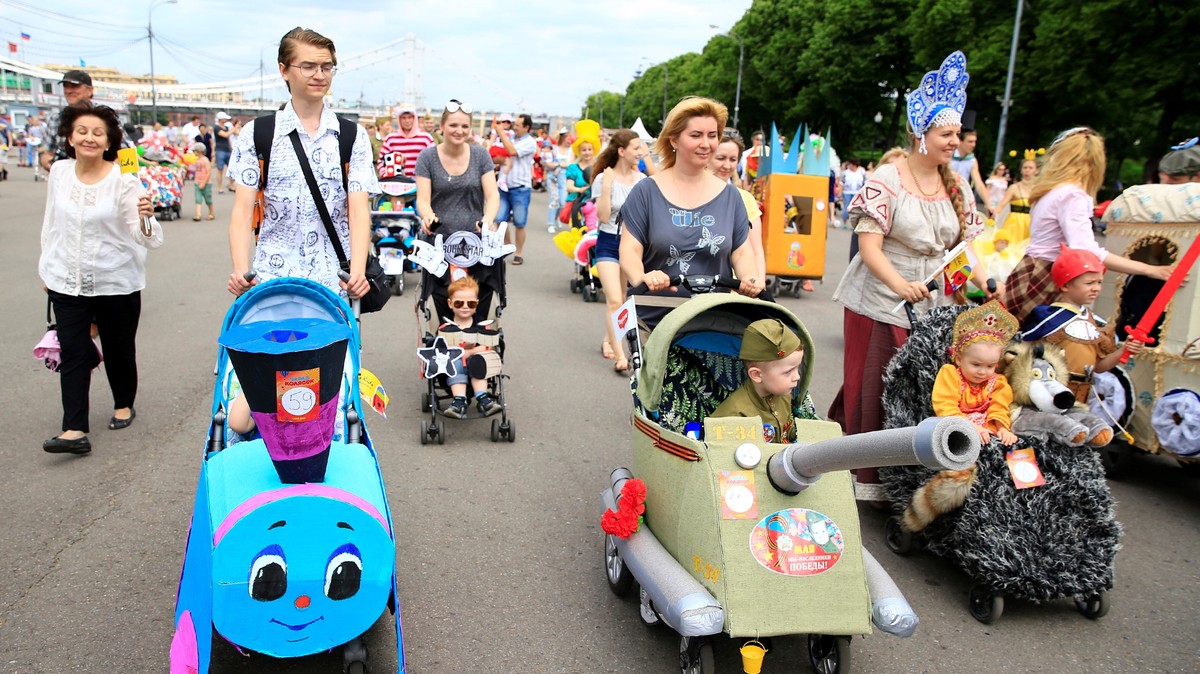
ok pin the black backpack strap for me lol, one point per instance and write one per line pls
(264, 134)
(347, 133)
(343, 259)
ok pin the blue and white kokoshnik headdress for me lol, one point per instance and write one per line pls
(941, 98)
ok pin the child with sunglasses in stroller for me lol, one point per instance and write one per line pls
(464, 298)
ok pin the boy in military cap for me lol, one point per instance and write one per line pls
(1071, 324)
(772, 354)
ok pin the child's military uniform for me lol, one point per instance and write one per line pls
(764, 341)
(1078, 331)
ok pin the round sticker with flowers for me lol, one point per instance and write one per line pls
(797, 542)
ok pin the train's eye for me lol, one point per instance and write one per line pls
(343, 573)
(268, 574)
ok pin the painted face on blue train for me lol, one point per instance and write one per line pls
(301, 574)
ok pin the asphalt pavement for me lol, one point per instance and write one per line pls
(499, 545)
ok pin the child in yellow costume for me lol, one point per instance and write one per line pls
(772, 354)
(969, 386)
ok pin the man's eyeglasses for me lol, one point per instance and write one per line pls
(459, 304)
(309, 69)
(456, 105)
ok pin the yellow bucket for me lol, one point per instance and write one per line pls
(752, 656)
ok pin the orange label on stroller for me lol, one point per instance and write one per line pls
(1024, 469)
(298, 395)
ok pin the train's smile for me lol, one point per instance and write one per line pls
(296, 628)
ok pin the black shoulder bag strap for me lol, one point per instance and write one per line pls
(343, 261)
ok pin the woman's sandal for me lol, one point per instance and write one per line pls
(621, 366)
(807, 286)
(606, 350)
(518, 260)
(212, 217)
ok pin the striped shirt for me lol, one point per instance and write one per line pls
(520, 174)
(409, 146)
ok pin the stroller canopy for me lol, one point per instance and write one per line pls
(714, 322)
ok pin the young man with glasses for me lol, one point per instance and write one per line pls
(514, 198)
(293, 239)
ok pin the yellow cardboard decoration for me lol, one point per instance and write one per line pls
(127, 158)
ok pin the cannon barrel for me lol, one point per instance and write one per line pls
(940, 443)
(890, 611)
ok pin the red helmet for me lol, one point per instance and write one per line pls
(1072, 262)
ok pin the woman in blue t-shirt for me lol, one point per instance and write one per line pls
(685, 220)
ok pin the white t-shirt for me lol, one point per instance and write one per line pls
(853, 180)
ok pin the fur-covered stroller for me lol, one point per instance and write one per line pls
(1039, 544)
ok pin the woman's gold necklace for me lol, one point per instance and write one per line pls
(918, 182)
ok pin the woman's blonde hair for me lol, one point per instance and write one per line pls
(677, 120)
(1076, 157)
(894, 154)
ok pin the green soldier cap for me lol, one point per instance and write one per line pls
(768, 339)
(1182, 162)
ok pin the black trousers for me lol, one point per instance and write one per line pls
(116, 317)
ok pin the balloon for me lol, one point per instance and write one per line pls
(189, 158)
(141, 150)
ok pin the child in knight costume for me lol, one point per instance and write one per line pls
(1072, 325)
(969, 386)
(772, 354)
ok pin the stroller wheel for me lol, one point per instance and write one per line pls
(425, 398)
(425, 437)
(509, 430)
(986, 606)
(898, 540)
(829, 654)
(619, 577)
(439, 432)
(495, 430)
(696, 655)
(1093, 606)
(574, 285)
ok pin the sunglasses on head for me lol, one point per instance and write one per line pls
(456, 105)
(459, 304)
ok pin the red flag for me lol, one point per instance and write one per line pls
(12, 47)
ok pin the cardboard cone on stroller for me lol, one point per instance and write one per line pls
(291, 374)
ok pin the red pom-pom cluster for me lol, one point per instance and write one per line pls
(630, 506)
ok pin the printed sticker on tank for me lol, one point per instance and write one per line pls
(297, 395)
(797, 542)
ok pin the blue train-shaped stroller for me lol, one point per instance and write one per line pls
(394, 229)
(291, 553)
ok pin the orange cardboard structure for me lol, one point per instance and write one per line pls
(795, 206)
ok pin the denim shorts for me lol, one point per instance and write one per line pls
(222, 159)
(514, 204)
(608, 247)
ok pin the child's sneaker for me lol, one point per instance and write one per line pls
(487, 406)
(457, 408)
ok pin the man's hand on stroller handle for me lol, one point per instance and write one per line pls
(240, 282)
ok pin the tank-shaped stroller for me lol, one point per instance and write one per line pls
(739, 535)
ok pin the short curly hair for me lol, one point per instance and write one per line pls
(112, 126)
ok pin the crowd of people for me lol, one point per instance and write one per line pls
(681, 205)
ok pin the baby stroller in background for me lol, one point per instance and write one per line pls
(166, 186)
(493, 296)
(584, 256)
(1049, 542)
(318, 578)
(393, 231)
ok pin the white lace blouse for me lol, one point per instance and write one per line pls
(92, 241)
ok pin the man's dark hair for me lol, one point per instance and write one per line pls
(112, 126)
(297, 36)
(526, 121)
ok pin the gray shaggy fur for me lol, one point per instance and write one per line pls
(1053, 541)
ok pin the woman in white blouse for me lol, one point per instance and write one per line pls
(98, 225)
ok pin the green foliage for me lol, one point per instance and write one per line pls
(1128, 68)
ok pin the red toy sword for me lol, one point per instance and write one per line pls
(1142, 331)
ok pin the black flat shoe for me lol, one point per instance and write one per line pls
(63, 446)
(116, 424)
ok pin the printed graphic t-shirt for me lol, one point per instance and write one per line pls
(686, 241)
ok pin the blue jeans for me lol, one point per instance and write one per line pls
(514, 202)
(559, 185)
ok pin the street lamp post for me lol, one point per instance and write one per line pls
(666, 75)
(737, 97)
(150, 35)
(1012, 63)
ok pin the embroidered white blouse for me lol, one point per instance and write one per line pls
(92, 241)
(293, 240)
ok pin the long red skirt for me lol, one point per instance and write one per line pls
(858, 407)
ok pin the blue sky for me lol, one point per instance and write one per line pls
(546, 57)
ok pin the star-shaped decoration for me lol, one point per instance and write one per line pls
(440, 358)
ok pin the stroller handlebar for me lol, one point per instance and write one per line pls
(696, 283)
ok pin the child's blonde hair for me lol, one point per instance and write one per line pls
(1076, 157)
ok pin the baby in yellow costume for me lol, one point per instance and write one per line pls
(969, 386)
